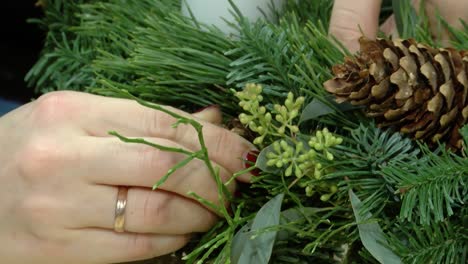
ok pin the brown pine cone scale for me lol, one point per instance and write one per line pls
(420, 90)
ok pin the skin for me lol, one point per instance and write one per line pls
(60, 171)
(349, 18)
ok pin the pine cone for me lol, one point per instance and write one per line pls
(417, 89)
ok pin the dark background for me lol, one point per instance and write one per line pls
(20, 45)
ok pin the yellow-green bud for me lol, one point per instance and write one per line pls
(299, 146)
(288, 171)
(325, 197)
(277, 146)
(294, 129)
(253, 126)
(298, 172)
(283, 111)
(258, 89)
(284, 144)
(281, 130)
(338, 141)
(271, 162)
(279, 118)
(279, 164)
(333, 189)
(311, 154)
(262, 110)
(302, 158)
(317, 173)
(300, 100)
(258, 140)
(261, 130)
(309, 191)
(277, 107)
(319, 135)
(293, 114)
(318, 146)
(244, 119)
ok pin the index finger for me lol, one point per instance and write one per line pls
(134, 120)
(349, 18)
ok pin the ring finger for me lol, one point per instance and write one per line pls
(147, 211)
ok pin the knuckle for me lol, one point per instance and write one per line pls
(140, 246)
(156, 210)
(158, 123)
(222, 143)
(39, 211)
(39, 158)
(54, 106)
(345, 32)
(155, 160)
(345, 25)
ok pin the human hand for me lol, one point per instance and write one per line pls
(349, 18)
(60, 171)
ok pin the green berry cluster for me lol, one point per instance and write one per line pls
(293, 156)
(274, 123)
(301, 159)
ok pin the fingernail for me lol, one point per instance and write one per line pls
(249, 160)
(206, 107)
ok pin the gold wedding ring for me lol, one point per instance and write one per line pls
(119, 222)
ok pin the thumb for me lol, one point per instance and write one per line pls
(351, 19)
(211, 114)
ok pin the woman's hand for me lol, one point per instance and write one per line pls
(351, 19)
(60, 172)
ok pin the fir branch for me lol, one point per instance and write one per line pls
(431, 187)
(66, 67)
(66, 57)
(310, 12)
(444, 242)
(360, 164)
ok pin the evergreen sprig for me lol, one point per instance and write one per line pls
(362, 160)
(431, 186)
(444, 242)
(147, 48)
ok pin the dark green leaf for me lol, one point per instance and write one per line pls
(295, 214)
(372, 236)
(254, 245)
(315, 109)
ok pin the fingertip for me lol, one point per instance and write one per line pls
(249, 160)
(211, 114)
(352, 19)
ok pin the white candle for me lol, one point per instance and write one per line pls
(212, 11)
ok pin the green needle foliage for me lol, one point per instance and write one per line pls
(145, 50)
